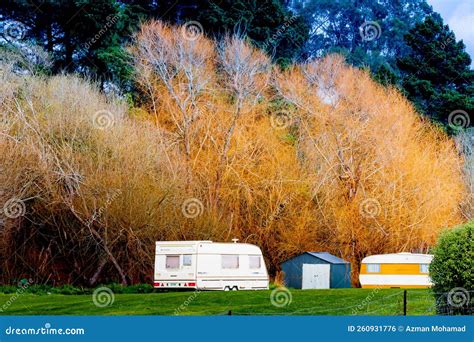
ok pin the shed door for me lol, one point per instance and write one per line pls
(315, 276)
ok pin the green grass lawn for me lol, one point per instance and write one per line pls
(303, 302)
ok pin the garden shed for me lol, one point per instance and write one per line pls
(316, 270)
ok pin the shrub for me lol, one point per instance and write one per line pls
(451, 270)
(138, 288)
(81, 161)
(73, 290)
(44, 289)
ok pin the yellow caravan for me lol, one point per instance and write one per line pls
(399, 270)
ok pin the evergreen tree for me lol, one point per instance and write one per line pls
(386, 76)
(368, 33)
(81, 35)
(436, 73)
(266, 23)
(88, 35)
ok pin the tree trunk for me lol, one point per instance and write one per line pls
(68, 51)
(111, 256)
(49, 38)
(94, 278)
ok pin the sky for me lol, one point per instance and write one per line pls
(459, 15)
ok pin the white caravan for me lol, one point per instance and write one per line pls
(207, 265)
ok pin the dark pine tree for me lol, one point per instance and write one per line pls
(341, 26)
(84, 36)
(266, 23)
(437, 76)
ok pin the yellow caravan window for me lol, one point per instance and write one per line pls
(373, 268)
(424, 268)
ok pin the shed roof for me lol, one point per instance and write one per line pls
(332, 259)
(328, 257)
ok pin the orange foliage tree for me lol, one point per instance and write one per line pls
(340, 164)
(317, 157)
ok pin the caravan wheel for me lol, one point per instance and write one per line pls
(235, 288)
(227, 288)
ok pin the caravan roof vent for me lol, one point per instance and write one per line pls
(234, 240)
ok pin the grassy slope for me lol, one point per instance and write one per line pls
(307, 302)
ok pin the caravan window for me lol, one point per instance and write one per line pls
(254, 261)
(230, 261)
(424, 268)
(187, 260)
(373, 268)
(172, 261)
